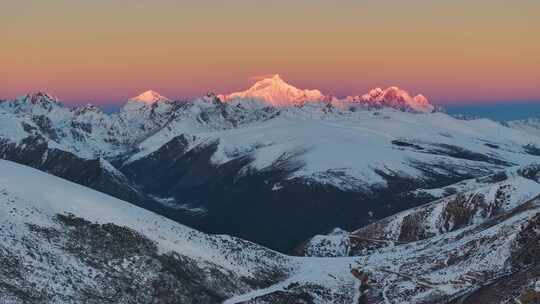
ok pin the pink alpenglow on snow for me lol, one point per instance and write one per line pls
(394, 97)
(149, 97)
(275, 91)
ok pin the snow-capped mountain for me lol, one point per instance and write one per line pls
(215, 159)
(35, 103)
(309, 157)
(276, 92)
(393, 97)
(64, 243)
(148, 97)
(142, 116)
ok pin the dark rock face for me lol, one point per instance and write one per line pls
(532, 149)
(459, 211)
(527, 247)
(412, 228)
(531, 172)
(454, 151)
(403, 143)
(35, 152)
(45, 126)
(462, 153)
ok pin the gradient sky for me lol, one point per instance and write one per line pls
(103, 51)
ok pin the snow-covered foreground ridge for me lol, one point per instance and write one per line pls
(64, 243)
(48, 224)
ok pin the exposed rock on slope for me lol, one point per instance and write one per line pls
(477, 246)
(64, 243)
(464, 205)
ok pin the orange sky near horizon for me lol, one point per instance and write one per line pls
(106, 51)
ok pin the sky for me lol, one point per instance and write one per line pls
(103, 51)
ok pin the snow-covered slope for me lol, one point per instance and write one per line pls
(63, 243)
(531, 125)
(351, 149)
(465, 205)
(330, 140)
(451, 266)
(30, 190)
(454, 249)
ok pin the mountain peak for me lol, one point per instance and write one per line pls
(275, 91)
(276, 78)
(394, 97)
(39, 97)
(149, 97)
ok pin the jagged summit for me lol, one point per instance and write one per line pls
(149, 97)
(275, 91)
(35, 103)
(39, 97)
(394, 97)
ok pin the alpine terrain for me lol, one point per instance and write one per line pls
(64, 243)
(236, 163)
(271, 195)
(148, 157)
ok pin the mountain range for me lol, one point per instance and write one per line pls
(235, 163)
(290, 196)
